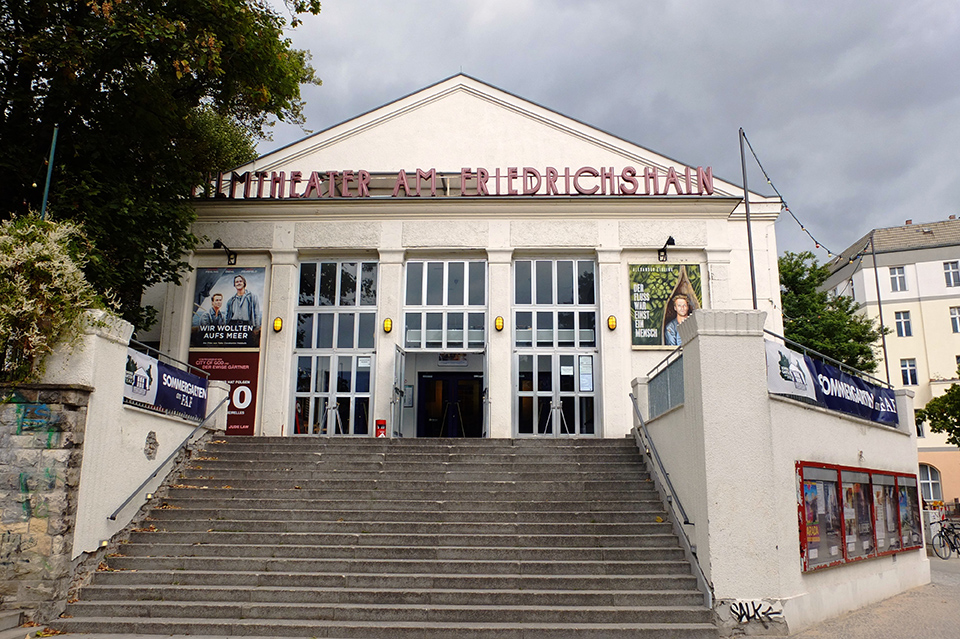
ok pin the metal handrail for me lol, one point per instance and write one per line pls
(674, 500)
(665, 361)
(199, 371)
(648, 443)
(827, 358)
(113, 517)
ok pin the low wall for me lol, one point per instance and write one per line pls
(41, 439)
(70, 453)
(731, 450)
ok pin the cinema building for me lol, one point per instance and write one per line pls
(462, 262)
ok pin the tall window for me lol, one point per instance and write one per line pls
(445, 305)
(898, 278)
(903, 324)
(951, 273)
(336, 335)
(555, 336)
(930, 483)
(908, 371)
(955, 318)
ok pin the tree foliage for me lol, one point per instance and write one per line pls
(830, 325)
(943, 413)
(149, 96)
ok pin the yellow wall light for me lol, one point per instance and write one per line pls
(387, 325)
(498, 323)
(277, 325)
(612, 322)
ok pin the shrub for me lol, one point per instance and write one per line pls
(43, 292)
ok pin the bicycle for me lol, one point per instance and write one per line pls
(946, 540)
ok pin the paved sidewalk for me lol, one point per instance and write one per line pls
(928, 612)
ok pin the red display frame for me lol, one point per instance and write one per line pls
(900, 481)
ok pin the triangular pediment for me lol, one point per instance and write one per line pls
(464, 123)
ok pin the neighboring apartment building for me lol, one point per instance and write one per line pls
(918, 287)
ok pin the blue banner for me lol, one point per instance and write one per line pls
(845, 393)
(181, 393)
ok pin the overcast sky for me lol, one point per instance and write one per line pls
(853, 108)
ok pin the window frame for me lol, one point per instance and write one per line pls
(908, 372)
(930, 482)
(898, 279)
(904, 328)
(951, 273)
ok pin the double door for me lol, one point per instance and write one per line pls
(556, 394)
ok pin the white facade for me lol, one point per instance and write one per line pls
(462, 123)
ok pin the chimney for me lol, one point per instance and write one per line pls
(909, 221)
(952, 217)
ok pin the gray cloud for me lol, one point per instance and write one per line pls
(851, 107)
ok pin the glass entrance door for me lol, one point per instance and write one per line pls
(555, 394)
(450, 405)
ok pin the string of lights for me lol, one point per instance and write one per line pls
(786, 207)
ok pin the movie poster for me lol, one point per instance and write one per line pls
(239, 369)
(227, 308)
(662, 296)
(225, 336)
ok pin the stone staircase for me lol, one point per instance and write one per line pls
(426, 538)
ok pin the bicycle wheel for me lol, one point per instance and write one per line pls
(941, 545)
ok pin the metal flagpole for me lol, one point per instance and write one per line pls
(746, 206)
(46, 187)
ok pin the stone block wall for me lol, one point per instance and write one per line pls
(41, 447)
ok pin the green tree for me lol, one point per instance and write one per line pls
(943, 413)
(830, 325)
(149, 96)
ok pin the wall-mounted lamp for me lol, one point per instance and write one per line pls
(149, 496)
(612, 322)
(277, 324)
(662, 253)
(498, 323)
(104, 543)
(231, 256)
(387, 325)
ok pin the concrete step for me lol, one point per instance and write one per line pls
(406, 581)
(649, 540)
(452, 502)
(387, 612)
(379, 596)
(401, 552)
(412, 486)
(401, 566)
(382, 630)
(177, 520)
(427, 511)
(478, 456)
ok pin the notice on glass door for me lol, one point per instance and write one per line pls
(586, 373)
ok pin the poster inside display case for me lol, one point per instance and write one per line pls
(852, 514)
